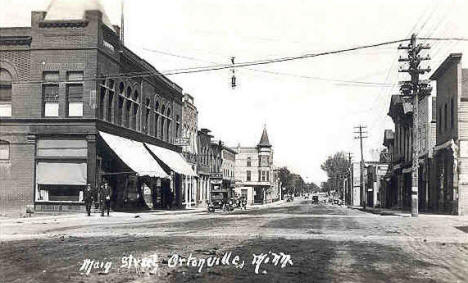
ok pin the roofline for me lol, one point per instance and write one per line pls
(146, 64)
(444, 65)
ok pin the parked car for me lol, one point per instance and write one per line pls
(315, 199)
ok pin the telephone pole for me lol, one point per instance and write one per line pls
(349, 184)
(361, 131)
(416, 89)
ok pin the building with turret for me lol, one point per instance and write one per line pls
(254, 171)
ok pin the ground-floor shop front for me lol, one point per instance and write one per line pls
(50, 169)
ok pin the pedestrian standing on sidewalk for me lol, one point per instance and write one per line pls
(105, 198)
(88, 198)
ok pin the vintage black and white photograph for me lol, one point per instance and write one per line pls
(233, 141)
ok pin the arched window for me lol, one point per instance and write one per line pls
(136, 95)
(120, 110)
(5, 93)
(135, 110)
(168, 131)
(121, 88)
(4, 150)
(110, 102)
(128, 107)
(177, 130)
(156, 116)
(127, 113)
(129, 92)
(147, 121)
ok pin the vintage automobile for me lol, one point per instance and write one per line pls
(315, 199)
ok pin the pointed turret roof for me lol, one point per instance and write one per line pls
(264, 141)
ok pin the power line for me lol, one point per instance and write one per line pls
(444, 38)
(358, 83)
(227, 66)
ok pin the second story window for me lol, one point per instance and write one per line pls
(249, 162)
(445, 117)
(452, 114)
(50, 94)
(75, 94)
(249, 175)
(440, 120)
(5, 93)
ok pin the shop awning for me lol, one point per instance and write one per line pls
(61, 173)
(172, 159)
(134, 155)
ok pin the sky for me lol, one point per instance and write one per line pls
(309, 106)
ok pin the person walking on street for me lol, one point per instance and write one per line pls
(105, 198)
(88, 198)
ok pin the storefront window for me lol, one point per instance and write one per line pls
(60, 193)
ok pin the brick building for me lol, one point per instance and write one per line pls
(205, 157)
(69, 117)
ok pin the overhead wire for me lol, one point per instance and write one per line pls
(224, 66)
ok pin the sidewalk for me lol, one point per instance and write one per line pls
(404, 213)
(114, 214)
(382, 211)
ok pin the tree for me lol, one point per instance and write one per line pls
(336, 166)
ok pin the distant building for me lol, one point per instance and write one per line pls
(254, 171)
(189, 145)
(375, 171)
(204, 165)
(222, 171)
(355, 195)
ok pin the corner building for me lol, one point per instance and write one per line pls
(254, 171)
(69, 117)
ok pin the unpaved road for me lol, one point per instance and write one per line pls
(325, 244)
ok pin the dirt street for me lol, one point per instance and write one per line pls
(289, 242)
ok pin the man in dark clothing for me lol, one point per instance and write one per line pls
(88, 198)
(105, 198)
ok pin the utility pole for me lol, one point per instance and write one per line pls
(361, 132)
(350, 180)
(415, 89)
